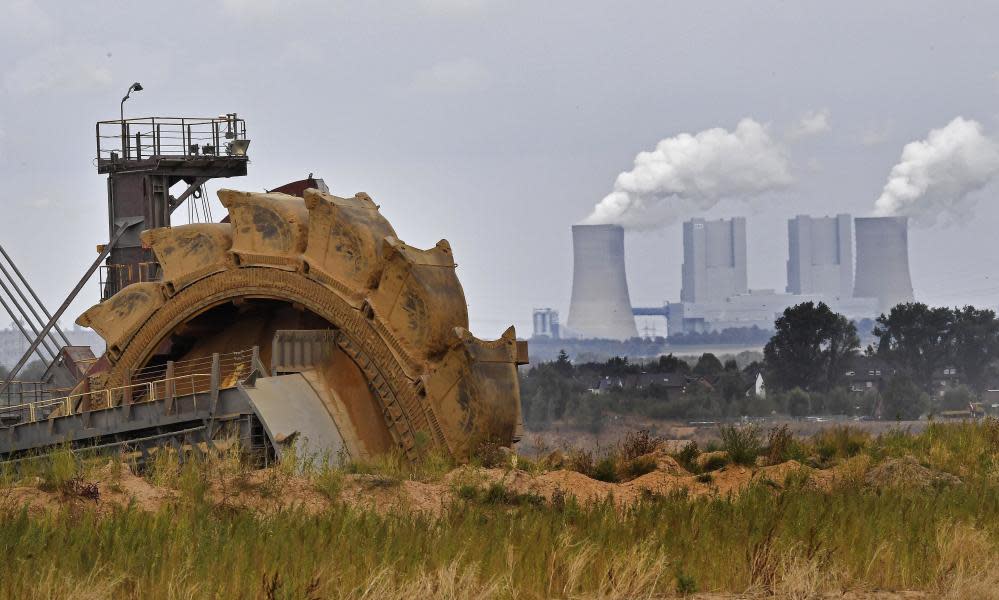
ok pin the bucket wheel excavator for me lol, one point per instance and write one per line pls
(402, 364)
(360, 340)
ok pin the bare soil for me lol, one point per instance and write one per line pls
(269, 490)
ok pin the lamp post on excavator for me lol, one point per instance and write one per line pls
(135, 87)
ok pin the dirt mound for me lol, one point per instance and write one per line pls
(113, 486)
(270, 490)
(705, 460)
(394, 495)
(119, 485)
(906, 472)
(666, 463)
(779, 473)
(662, 483)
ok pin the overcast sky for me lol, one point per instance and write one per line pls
(497, 125)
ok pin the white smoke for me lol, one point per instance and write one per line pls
(934, 177)
(811, 123)
(688, 173)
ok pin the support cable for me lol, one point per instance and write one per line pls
(123, 226)
(31, 291)
(46, 341)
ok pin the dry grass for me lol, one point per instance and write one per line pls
(792, 538)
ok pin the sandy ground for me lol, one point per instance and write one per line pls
(269, 490)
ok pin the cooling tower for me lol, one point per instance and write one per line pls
(883, 261)
(600, 305)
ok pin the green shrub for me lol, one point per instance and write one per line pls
(497, 493)
(468, 492)
(687, 457)
(741, 443)
(637, 467)
(779, 441)
(329, 483)
(714, 462)
(60, 468)
(581, 461)
(685, 584)
(839, 442)
(606, 470)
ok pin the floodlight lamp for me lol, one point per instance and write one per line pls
(238, 147)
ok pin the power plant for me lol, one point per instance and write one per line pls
(600, 306)
(820, 256)
(546, 323)
(883, 261)
(714, 259)
(715, 294)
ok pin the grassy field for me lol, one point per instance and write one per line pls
(794, 539)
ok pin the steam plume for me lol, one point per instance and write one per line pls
(691, 173)
(935, 176)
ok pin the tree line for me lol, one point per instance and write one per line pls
(804, 365)
(812, 346)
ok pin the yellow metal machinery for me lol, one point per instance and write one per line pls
(404, 372)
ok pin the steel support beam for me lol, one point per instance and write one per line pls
(123, 226)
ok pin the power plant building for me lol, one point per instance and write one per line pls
(714, 259)
(715, 294)
(600, 306)
(820, 256)
(546, 323)
(757, 308)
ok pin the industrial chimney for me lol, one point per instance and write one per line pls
(600, 305)
(883, 261)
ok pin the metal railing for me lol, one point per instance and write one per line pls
(115, 277)
(23, 392)
(232, 366)
(188, 378)
(152, 137)
(108, 398)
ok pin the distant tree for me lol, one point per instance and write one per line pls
(760, 406)
(975, 334)
(916, 340)
(708, 365)
(672, 364)
(753, 369)
(810, 348)
(799, 403)
(902, 399)
(617, 365)
(838, 401)
(957, 398)
(562, 365)
(731, 385)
